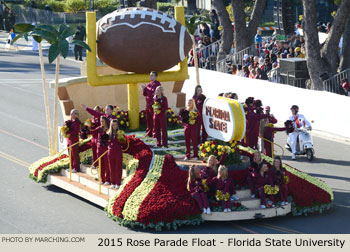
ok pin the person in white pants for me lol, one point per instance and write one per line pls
(299, 121)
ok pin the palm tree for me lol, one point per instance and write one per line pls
(59, 46)
(191, 25)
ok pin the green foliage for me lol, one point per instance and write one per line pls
(56, 36)
(166, 7)
(76, 5)
(194, 21)
(106, 6)
(55, 5)
(337, 2)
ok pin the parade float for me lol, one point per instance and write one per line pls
(154, 191)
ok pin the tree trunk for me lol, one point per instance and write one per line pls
(191, 7)
(315, 63)
(322, 60)
(151, 4)
(244, 36)
(46, 99)
(330, 48)
(345, 54)
(195, 58)
(55, 126)
(227, 36)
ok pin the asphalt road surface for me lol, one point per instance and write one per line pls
(27, 207)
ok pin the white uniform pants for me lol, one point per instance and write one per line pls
(293, 141)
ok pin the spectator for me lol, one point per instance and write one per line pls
(256, 62)
(267, 66)
(246, 60)
(329, 26)
(298, 53)
(6, 17)
(12, 20)
(239, 71)
(234, 69)
(215, 27)
(204, 30)
(258, 42)
(346, 87)
(245, 71)
(79, 35)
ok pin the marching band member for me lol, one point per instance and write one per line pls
(148, 92)
(189, 119)
(199, 99)
(115, 156)
(299, 121)
(195, 187)
(102, 144)
(160, 107)
(74, 125)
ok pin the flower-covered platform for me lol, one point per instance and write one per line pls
(154, 194)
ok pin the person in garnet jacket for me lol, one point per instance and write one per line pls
(263, 178)
(278, 173)
(148, 92)
(267, 131)
(102, 144)
(195, 187)
(254, 168)
(252, 126)
(223, 187)
(74, 125)
(190, 128)
(160, 106)
(115, 156)
(199, 98)
(95, 122)
(108, 114)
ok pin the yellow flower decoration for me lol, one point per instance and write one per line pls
(156, 108)
(213, 146)
(118, 116)
(205, 186)
(208, 149)
(286, 179)
(114, 113)
(169, 119)
(121, 122)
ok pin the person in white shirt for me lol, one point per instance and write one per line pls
(299, 121)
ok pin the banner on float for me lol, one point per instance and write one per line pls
(224, 119)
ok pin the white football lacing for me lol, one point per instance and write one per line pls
(132, 12)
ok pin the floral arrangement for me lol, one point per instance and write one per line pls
(122, 117)
(156, 200)
(156, 108)
(218, 149)
(271, 190)
(39, 170)
(65, 128)
(88, 123)
(193, 117)
(142, 117)
(172, 119)
(286, 179)
(121, 136)
(220, 196)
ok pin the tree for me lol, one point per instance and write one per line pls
(59, 46)
(191, 25)
(322, 59)
(243, 33)
(345, 57)
(227, 36)
(192, 7)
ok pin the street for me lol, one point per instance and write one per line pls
(27, 207)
